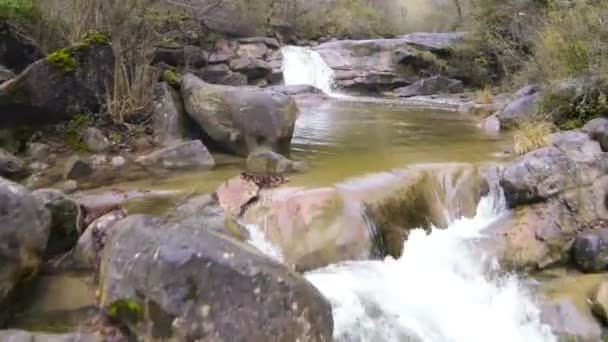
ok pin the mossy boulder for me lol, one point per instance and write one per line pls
(66, 83)
(240, 120)
(184, 282)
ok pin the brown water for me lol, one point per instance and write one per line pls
(342, 139)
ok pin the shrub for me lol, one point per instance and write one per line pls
(531, 135)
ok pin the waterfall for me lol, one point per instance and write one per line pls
(439, 290)
(303, 65)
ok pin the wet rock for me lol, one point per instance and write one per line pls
(241, 120)
(38, 151)
(87, 253)
(51, 92)
(11, 166)
(171, 123)
(77, 168)
(598, 130)
(26, 336)
(265, 161)
(590, 250)
(541, 235)
(64, 220)
(599, 302)
(17, 51)
(199, 285)
(236, 193)
(187, 155)
(569, 322)
(430, 86)
(24, 232)
(312, 227)
(296, 90)
(491, 124)
(95, 140)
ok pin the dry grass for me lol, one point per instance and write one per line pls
(484, 96)
(531, 135)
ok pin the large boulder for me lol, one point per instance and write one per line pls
(66, 83)
(64, 220)
(573, 161)
(387, 63)
(171, 123)
(241, 120)
(24, 232)
(187, 155)
(186, 282)
(569, 322)
(430, 86)
(17, 51)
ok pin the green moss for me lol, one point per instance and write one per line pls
(96, 38)
(173, 78)
(63, 60)
(125, 309)
(73, 131)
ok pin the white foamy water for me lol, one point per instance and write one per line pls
(303, 65)
(439, 290)
(258, 240)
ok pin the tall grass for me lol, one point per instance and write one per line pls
(531, 135)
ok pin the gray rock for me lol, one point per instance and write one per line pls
(253, 68)
(598, 130)
(11, 166)
(95, 140)
(386, 63)
(599, 302)
(187, 155)
(99, 161)
(430, 86)
(77, 168)
(87, 253)
(527, 91)
(24, 232)
(522, 108)
(38, 166)
(171, 123)
(265, 161)
(569, 323)
(590, 250)
(296, 90)
(68, 186)
(38, 151)
(221, 74)
(491, 124)
(201, 285)
(268, 41)
(257, 50)
(51, 93)
(574, 161)
(241, 120)
(64, 216)
(26, 336)
(118, 161)
(5, 74)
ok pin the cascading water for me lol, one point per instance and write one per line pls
(439, 290)
(303, 65)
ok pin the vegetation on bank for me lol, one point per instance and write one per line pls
(560, 44)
